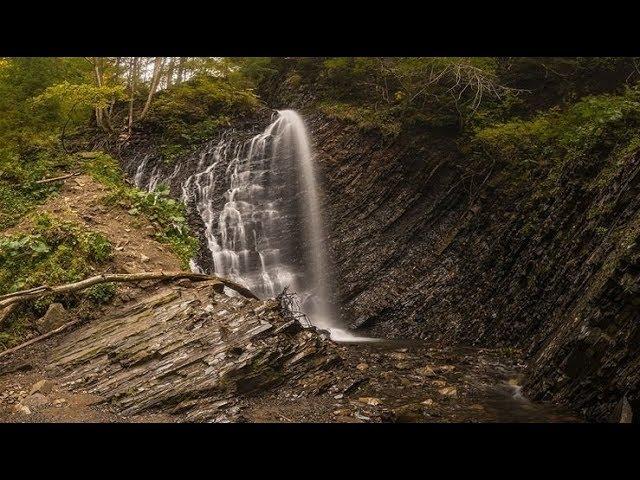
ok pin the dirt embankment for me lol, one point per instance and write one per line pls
(82, 200)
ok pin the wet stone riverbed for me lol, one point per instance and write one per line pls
(408, 381)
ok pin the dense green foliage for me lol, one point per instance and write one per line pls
(596, 129)
(20, 169)
(418, 96)
(53, 252)
(29, 130)
(22, 122)
(195, 110)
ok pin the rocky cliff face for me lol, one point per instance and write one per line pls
(421, 251)
(423, 247)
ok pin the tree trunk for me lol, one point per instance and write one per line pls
(133, 82)
(170, 70)
(180, 75)
(155, 80)
(101, 119)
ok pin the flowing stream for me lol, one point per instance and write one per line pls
(259, 201)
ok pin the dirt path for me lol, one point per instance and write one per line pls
(82, 200)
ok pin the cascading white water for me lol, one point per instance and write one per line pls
(292, 138)
(259, 202)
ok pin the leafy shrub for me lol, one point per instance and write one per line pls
(19, 170)
(167, 214)
(53, 252)
(365, 118)
(193, 111)
(593, 130)
(101, 293)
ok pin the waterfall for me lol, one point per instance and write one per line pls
(291, 138)
(259, 202)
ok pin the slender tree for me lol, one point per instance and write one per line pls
(155, 81)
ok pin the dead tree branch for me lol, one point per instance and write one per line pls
(33, 293)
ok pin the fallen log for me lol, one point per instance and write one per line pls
(44, 336)
(22, 292)
(32, 293)
(55, 179)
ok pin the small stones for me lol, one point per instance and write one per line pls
(397, 355)
(59, 402)
(36, 400)
(342, 412)
(362, 367)
(370, 401)
(21, 409)
(359, 416)
(445, 368)
(144, 258)
(402, 365)
(448, 391)
(411, 412)
(425, 371)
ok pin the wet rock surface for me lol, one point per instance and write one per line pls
(432, 384)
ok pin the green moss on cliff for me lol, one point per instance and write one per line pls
(593, 137)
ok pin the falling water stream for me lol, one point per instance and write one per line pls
(259, 201)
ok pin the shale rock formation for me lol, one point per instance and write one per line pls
(422, 253)
(189, 350)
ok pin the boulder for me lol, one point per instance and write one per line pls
(22, 409)
(55, 317)
(44, 386)
(36, 400)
